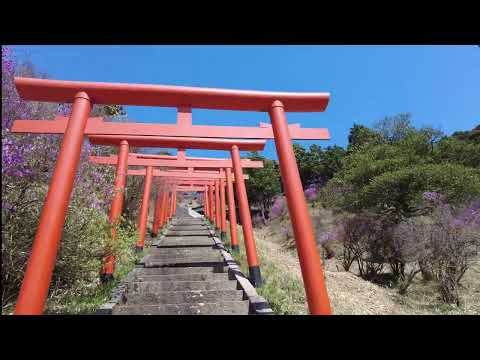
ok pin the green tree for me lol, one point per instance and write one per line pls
(391, 177)
(454, 150)
(395, 128)
(308, 163)
(472, 135)
(263, 184)
(330, 161)
(361, 136)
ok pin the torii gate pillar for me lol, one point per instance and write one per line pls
(310, 263)
(34, 290)
(156, 214)
(218, 210)
(223, 220)
(246, 220)
(117, 205)
(232, 212)
(210, 204)
(142, 223)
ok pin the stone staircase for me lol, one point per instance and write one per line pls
(187, 272)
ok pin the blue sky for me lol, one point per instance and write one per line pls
(439, 85)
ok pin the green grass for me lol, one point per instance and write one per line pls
(283, 290)
(85, 299)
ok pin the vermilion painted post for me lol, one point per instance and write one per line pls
(210, 205)
(174, 199)
(218, 211)
(232, 212)
(223, 225)
(175, 204)
(156, 214)
(147, 188)
(167, 208)
(164, 207)
(313, 278)
(117, 205)
(253, 265)
(205, 203)
(38, 274)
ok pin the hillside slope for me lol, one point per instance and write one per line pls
(349, 294)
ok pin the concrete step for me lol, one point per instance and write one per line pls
(188, 227)
(172, 270)
(211, 276)
(212, 255)
(172, 240)
(221, 308)
(155, 287)
(188, 220)
(179, 297)
(185, 262)
(181, 252)
(183, 244)
(189, 223)
(188, 233)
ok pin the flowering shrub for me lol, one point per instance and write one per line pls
(278, 207)
(28, 161)
(311, 193)
(364, 238)
(444, 244)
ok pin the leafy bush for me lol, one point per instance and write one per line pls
(401, 191)
(27, 166)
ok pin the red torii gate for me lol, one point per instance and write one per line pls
(224, 164)
(192, 178)
(217, 215)
(192, 143)
(219, 219)
(180, 177)
(231, 201)
(83, 94)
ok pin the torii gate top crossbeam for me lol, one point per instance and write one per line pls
(168, 96)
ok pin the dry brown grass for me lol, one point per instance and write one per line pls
(350, 294)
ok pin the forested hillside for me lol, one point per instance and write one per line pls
(405, 203)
